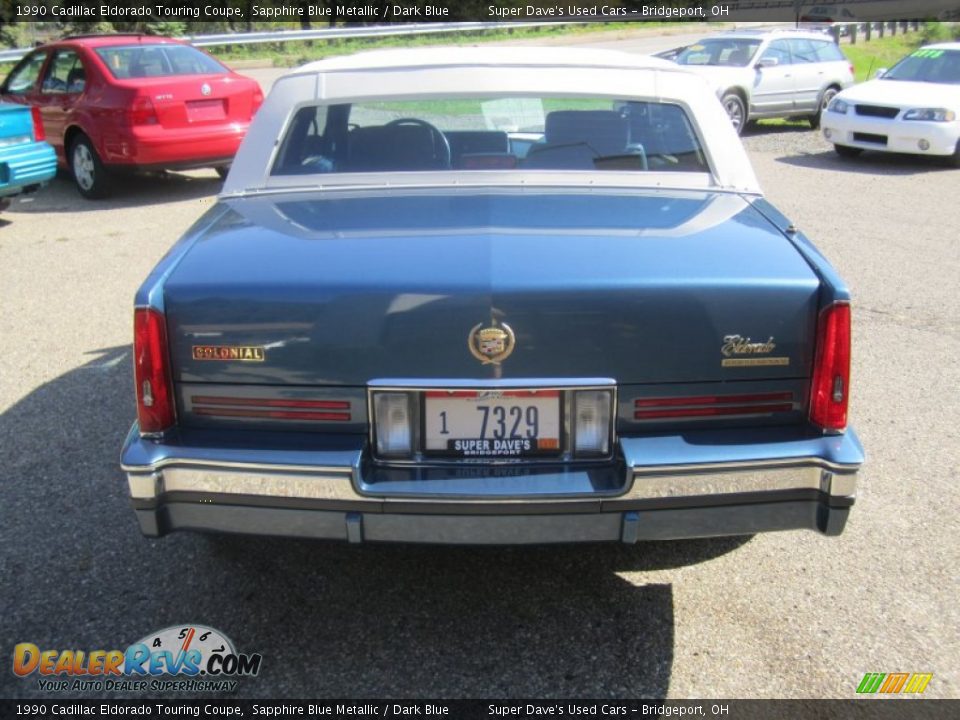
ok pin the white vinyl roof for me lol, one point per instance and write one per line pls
(491, 71)
(486, 56)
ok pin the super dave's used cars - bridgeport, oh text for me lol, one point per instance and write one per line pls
(477, 296)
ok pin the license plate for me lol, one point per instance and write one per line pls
(492, 423)
(200, 110)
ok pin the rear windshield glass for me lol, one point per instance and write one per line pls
(502, 133)
(140, 61)
(731, 52)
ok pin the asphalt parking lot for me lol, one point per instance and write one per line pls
(777, 615)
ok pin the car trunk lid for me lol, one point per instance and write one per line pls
(197, 100)
(16, 124)
(641, 287)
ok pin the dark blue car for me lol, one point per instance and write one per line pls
(456, 296)
(27, 163)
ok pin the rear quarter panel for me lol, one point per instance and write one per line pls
(832, 287)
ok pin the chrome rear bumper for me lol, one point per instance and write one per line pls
(775, 481)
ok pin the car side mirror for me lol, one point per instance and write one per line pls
(880, 73)
(767, 62)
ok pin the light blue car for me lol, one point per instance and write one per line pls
(26, 162)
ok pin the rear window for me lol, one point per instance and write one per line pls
(803, 50)
(828, 51)
(144, 61)
(490, 133)
(731, 52)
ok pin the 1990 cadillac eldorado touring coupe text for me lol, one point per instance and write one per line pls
(475, 296)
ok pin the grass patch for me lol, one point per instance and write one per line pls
(291, 54)
(784, 122)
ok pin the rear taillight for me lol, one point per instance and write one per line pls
(257, 100)
(151, 370)
(38, 132)
(853, 70)
(142, 112)
(830, 387)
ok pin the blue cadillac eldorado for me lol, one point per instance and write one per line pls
(464, 296)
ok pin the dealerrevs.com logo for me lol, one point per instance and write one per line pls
(181, 657)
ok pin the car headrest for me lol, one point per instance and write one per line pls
(75, 80)
(605, 131)
(393, 147)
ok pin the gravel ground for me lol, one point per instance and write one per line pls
(777, 615)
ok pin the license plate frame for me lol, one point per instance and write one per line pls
(550, 442)
(206, 110)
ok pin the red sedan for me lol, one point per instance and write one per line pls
(116, 102)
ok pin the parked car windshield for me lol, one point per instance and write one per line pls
(490, 133)
(927, 65)
(160, 60)
(732, 52)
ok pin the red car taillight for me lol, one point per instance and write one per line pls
(38, 132)
(151, 370)
(257, 100)
(830, 386)
(142, 112)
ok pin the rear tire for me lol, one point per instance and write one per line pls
(223, 171)
(89, 174)
(828, 95)
(845, 151)
(736, 111)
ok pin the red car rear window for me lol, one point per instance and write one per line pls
(139, 61)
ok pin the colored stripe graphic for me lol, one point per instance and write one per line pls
(918, 683)
(893, 683)
(871, 682)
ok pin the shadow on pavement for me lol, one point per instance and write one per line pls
(868, 163)
(759, 128)
(330, 620)
(129, 190)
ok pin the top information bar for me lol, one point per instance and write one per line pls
(379, 11)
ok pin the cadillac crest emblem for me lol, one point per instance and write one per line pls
(491, 345)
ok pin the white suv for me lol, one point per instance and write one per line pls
(766, 74)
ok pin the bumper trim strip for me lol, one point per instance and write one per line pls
(758, 479)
